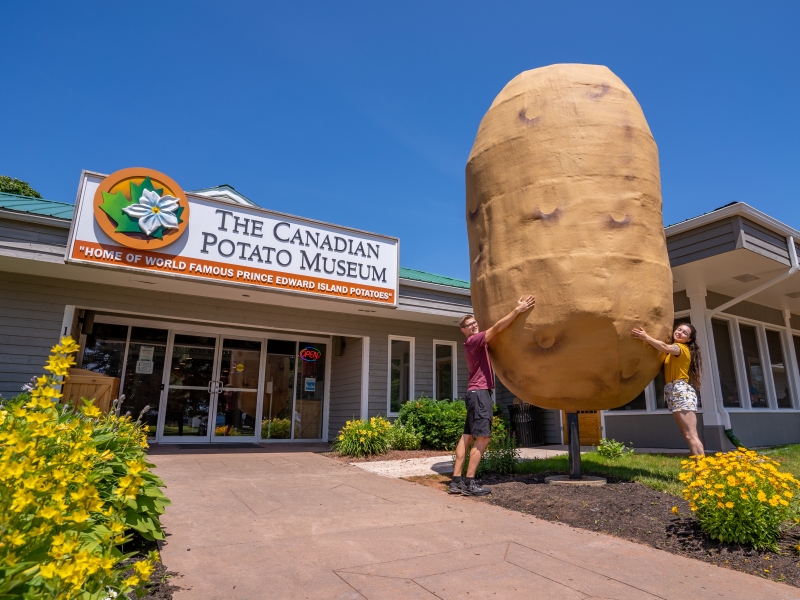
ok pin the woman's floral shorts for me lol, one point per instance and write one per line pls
(680, 396)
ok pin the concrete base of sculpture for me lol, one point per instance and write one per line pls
(565, 480)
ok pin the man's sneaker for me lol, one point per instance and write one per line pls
(456, 487)
(474, 489)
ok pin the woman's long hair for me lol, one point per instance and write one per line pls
(696, 366)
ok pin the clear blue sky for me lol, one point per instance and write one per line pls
(363, 113)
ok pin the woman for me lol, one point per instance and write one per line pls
(682, 369)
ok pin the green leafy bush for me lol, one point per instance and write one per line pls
(363, 438)
(501, 454)
(740, 497)
(403, 437)
(439, 422)
(276, 429)
(612, 448)
(72, 486)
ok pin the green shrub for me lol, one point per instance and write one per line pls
(439, 422)
(363, 438)
(501, 454)
(740, 497)
(402, 437)
(612, 448)
(72, 485)
(276, 429)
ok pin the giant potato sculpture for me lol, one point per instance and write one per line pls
(564, 202)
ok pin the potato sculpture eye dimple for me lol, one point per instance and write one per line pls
(564, 202)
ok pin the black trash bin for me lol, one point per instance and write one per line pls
(526, 424)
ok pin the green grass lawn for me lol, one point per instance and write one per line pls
(657, 471)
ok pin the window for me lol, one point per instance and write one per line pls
(725, 365)
(444, 370)
(778, 366)
(756, 387)
(401, 372)
(144, 370)
(105, 349)
(638, 403)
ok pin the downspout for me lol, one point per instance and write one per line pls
(726, 418)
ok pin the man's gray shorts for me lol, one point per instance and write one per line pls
(479, 413)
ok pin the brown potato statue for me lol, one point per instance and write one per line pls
(564, 202)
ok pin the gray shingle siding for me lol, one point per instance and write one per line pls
(726, 235)
(30, 331)
(702, 242)
(19, 231)
(345, 386)
(763, 241)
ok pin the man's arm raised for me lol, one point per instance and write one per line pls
(523, 305)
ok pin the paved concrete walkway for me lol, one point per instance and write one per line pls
(253, 524)
(410, 467)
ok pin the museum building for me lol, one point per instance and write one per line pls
(226, 322)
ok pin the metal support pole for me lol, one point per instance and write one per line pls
(574, 446)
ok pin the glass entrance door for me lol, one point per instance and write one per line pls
(237, 388)
(190, 387)
(224, 388)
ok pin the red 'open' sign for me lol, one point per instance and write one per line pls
(310, 354)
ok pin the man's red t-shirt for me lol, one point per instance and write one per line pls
(480, 369)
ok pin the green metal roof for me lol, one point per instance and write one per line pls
(37, 206)
(62, 210)
(431, 278)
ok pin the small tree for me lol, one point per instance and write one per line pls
(9, 185)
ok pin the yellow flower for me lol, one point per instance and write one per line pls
(91, 411)
(788, 494)
(143, 569)
(131, 581)
(79, 516)
(47, 570)
(762, 496)
(729, 505)
(675, 510)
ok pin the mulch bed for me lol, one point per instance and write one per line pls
(636, 513)
(391, 455)
(159, 587)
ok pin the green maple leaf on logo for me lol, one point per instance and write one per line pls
(114, 203)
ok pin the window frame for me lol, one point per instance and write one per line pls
(411, 370)
(454, 357)
(763, 352)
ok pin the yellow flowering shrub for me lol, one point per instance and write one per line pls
(740, 497)
(363, 438)
(72, 485)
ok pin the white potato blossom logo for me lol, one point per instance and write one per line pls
(154, 211)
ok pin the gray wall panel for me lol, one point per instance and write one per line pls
(647, 431)
(748, 310)
(766, 428)
(680, 301)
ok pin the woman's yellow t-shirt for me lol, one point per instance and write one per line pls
(677, 367)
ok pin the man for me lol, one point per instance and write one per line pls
(479, 397)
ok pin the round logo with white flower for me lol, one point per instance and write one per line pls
(141, 208)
